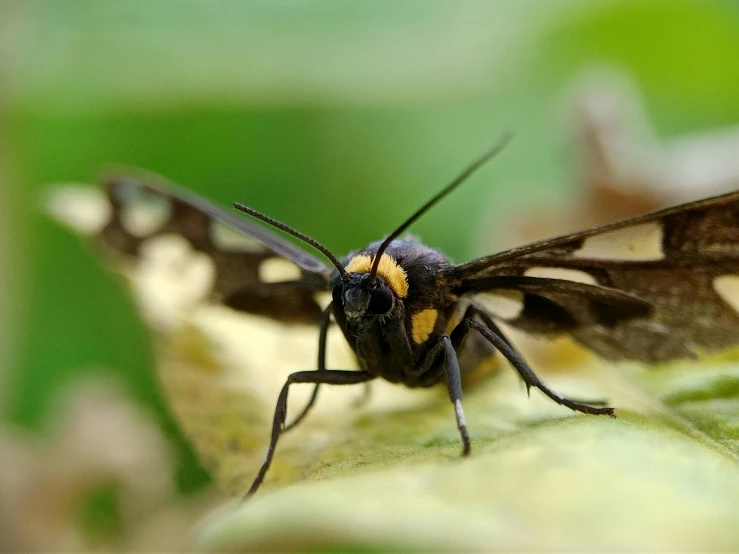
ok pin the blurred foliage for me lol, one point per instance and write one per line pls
(339, 118)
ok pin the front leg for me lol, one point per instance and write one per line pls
(320, 377)
(322, 338)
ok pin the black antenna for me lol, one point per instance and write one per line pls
(497, 147)
(297, 234)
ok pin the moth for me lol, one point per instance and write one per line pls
(651, 288)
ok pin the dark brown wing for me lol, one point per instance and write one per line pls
(255, 270)
(682, 261)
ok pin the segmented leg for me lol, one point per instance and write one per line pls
(453, 382)
(492, 333)
(322, 339)
(328, 377)
(474, 310)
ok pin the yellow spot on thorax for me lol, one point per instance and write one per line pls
(422, 325)
(389, 270)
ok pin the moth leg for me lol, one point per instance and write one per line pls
(322, 338)
(453, 383)
(474, 310)
(491, 332)
(328, 377)
(308, 406)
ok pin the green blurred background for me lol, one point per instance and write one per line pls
(339, 118)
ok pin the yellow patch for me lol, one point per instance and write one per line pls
(423, 324)
(389, 270)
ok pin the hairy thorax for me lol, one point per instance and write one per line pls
(424, 307)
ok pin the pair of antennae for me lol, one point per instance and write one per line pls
(490, 153)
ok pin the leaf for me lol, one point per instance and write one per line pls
(585, 484)
(663, 476)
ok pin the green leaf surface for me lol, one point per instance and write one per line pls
(581, 485)
(663, 476)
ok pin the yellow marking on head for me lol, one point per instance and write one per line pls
(727, 287)
(389, 270)
(635, 243)
(565, 274)
(422, 325)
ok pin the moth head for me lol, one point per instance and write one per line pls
(362, 299)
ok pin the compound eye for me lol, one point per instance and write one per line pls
(381, 301)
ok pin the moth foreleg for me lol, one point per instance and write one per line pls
(327, 377)
(490, 331)
(322, 338)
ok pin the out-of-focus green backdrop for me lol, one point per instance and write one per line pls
(339, 118)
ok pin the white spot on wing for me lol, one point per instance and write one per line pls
(323, 298)
(228, 239)
(171, 277)
(561, 273)
(85, 209)
(505, 304)
(142, 213)
(165, 250)
(641, 242)
(276, 270)
(727, 287)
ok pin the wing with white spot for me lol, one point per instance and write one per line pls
(656, 287)
(254, 270)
